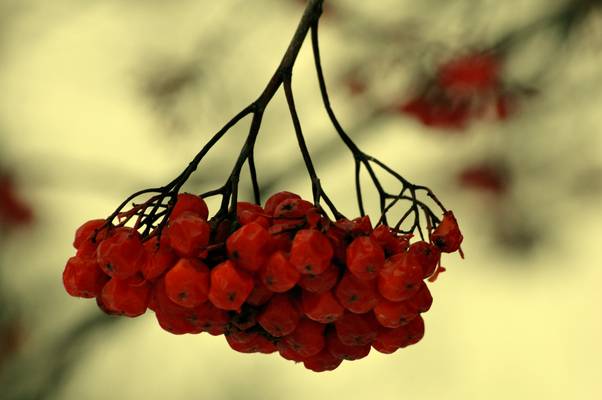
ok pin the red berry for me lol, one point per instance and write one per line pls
(159, 258)
(280, 317)
(209, 318)
(86, 232)
(470, 73)
(288, 353)
(311, 252)
(172, 317)
(249, 212)
(307, 339)
(293, 208)
(414, 331)
(362, 226)
(123, 299)
(230, 287)
(281, 241)
(336, 236)
(250, 342)
(189, 203)
(278, 274)
(391, 243)
(392, 314)
(260, 295)
(421, 302)
(121, 255)
(425, 255)
(343, 351)
(323, 361)
(356, 295)
(398, 279)
(389, 340)
(187, 283)
(356, 329)
(321, 307)
(447, 236)
(83, 277)
(188, 234)
(321, 282)
(277, 198)
(249, 246)
(365, 258)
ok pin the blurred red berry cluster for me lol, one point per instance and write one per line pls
(14, 211)
(284, 278)
(463, 88)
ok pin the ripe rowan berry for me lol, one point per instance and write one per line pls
(249, 212)
(447, 236)
(260, 294)
(321, 282)
(280, 317)
(465, 75)
(86, 232)
(187, 283)
(276, 199)
(293, 208)
(188, 234)
(392, 314)
(249, 342)
(356, 329)
(121, 255)
(189, 203)
(288, 353)
(229, 287)
(307, 339)
(425, 255)
(311, 252)
(123, 299)
(208, 318)
(391, 243)
(83, 277)
(171, 317)
(365, 257)
(281, 241)
(398, 280)
(278, 274)
(159, 258)
(249, 246)
(421, 302)
(321, 307)
(356, 295)
(321, 362)
(343, 351)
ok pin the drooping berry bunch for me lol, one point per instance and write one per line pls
(287, 277)
(284, 278)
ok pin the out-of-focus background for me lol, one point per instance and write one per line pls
(100, 99)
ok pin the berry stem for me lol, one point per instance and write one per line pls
(365, 160)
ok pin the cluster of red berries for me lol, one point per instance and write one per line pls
(284, 278)
(463, 88)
